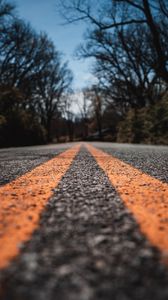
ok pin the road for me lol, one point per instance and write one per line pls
(83, 221)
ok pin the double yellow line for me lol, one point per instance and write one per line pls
(23, 200)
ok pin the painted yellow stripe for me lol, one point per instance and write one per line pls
(145, 196)
(22, 201)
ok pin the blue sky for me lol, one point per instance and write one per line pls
(43, 16)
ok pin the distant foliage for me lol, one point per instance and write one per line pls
(148, 125)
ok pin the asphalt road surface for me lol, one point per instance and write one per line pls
(84, 222)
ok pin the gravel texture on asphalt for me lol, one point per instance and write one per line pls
(152, 160)
(16, 162)
(88, 247)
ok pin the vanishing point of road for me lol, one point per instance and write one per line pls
(84, 221)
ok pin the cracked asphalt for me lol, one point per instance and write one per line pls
(88, 245)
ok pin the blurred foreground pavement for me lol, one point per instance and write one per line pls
(87, 244)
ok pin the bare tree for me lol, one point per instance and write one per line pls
(95, 97)
(6, 9)
(123, 66)
(105, 16)
(84, 105)
(53, 83)
(31, 65)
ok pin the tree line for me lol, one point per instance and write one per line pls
(34, 82)
(128, 41)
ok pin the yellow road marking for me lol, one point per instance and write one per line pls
(145, 196)
(23, 199)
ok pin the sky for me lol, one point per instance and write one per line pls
(43, 16)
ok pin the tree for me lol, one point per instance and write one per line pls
(68, 114)
(6, 9)
(54, 81)
(94, 96)
(123, 66)
(33, 78)
(24, 54)
(105, 16)
(84, 105)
